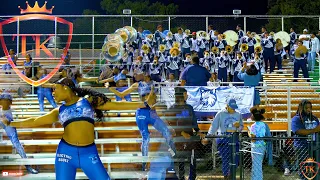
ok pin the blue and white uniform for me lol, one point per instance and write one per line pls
(70, 157)
(116, 79)
(45, 92)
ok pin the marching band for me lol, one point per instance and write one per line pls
(164, 53)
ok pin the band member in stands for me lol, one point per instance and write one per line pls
(251, 42)
(77, 148)
(147, 116)
(236, 67)
(212, 36)
(155, 70)
(223, 64)
(138, 69)
(268, 44)
(263, 31)
(279, 52)
(158, 37)
(240, 35)
(6, 115)
(174, 62)
(206, 61)
(251, 77)
(220, 43)
(300, 62)
(293, 37)
(194, 43)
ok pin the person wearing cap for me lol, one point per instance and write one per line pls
(226, 121)
(147, 116)
(6, 114)
(77, 115)
(194, 43)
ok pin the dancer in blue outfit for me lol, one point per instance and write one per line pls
(77, 148)
(6, 115)
(148, 116)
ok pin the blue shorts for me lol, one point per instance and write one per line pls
(69, 158)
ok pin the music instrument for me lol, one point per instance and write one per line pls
(284, 37)
(174, 49)
(300, 50)
(231, 37)
(223, 36)
(170, 35)
(165, 32)
(258, 39)
(202, 34)
(187, 31)
(228, 49)
(258, 49)
(113, 49)
(145, 48)
(162, 48)
(123, 33)
(176, 44)
(132, 33)
(244, 47)
(271, 34)
(150, 36)
(215, 50)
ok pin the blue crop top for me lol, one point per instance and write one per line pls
(119, 77)
(144, 88)
(80, 111)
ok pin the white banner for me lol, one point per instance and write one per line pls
(212, 99)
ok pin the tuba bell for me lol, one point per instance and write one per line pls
(258, 49)
(170, 35)
(244, 47)
(123, 33)
(228, 49)
(112, 49)
(132, 33)
(300, 50)
(279, 45)
(162, 48)
(150, 36)
(215, 50)
(223, 36)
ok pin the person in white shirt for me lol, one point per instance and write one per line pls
(214, 81)
(212, 36)
(314, 49)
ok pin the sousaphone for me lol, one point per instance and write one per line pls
(231, 37)
(124, 34)
(284, 37)
(133, 33)
(300, 50)
(112, 49)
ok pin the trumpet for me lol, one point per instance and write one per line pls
(170, 35)
(271, 34)
(150, 36)
(176, 44)
(228, 49)
(244, 47)
(215, 50)
(258, 49)
(145, 48)
(162, 48)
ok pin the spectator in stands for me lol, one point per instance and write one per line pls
(314, 49)
(66, 56)
(77, 148)
(27, 64)
(147, 116)
(188, 120)
(195, 75)
(251, 77)
(303, 124)
(43, 91)
(214, 81)
(121, 82)
(300, 61)
(6, 115)
(7, 67)
(259, 147)
(228, 121)
(171, 82)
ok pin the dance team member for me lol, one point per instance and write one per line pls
(6, 116)
(77, 148)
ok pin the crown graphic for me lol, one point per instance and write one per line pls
(36, 8)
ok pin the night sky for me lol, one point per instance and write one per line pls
(201, 7)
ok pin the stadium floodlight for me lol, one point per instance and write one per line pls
(236, 12)
(126, 11)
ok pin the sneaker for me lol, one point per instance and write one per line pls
(31, 170)
(286, 172)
